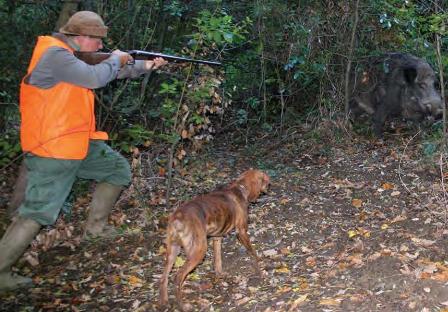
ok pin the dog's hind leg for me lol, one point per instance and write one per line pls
(217, 257)
(195, 251)
(172, 250)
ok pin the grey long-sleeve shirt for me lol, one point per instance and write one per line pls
(59, 65)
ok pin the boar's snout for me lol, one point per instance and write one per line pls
(434, 107)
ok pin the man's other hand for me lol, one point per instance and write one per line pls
(155, 63)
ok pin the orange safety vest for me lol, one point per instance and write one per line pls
(57, 122)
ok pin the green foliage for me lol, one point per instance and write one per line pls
(21, 23)
(241, 116)
(438, 24)
(433, 140)
(134, 136)
(175, 8)
(279, 56)
(219, 28)
(9, 148)
(409, 26)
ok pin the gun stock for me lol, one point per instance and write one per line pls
(93, 58)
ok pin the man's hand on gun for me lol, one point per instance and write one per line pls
(155, 63)
(125, 57)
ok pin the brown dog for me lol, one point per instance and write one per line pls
(214, 214)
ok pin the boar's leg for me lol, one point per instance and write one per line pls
(379, 119)
(389, 105)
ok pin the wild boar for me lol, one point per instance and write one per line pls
(397, 85)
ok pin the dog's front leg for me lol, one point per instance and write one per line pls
(217, 241)
(243, 237)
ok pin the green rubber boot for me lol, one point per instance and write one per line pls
(16, 239)
(103, 200)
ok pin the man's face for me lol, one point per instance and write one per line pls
(89, 44)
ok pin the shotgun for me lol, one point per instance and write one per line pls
(93, 58)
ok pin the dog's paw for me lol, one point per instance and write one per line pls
(186, 307)
(222, 275)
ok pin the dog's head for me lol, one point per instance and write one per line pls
(255, 181)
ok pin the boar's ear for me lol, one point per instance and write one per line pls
(410, 74)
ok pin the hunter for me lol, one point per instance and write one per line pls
(59, 137)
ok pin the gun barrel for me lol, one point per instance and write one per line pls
(145, 55)
(93, 58)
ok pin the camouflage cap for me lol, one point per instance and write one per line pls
(85, 23)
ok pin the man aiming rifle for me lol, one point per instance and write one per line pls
(59, 137)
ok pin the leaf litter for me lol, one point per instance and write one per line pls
(357, 228)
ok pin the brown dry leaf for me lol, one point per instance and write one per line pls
(283, 269)
(243, 301)
(356, 259)
(284, 289)
(134, 281)
(285, 251)
(270, 252)
(424, 275)
(311, 261)
(363, 216)
(442, 276)
(330, 302)
(298, 302)
(205, 286)
(184, 134)
(181, 154)
(356, 202)
(398, 218)
(357, 298)
(422, 242)
(342, 266)
(387, 186)
(284, 201)
(375, 256)
(386, 252)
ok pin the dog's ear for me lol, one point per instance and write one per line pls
(265, 180)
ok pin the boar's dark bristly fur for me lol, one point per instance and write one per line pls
(396, 85)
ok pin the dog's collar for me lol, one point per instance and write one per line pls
(242, 186)
(243, 189)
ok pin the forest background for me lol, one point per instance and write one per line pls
(349, 222)
(285, 62)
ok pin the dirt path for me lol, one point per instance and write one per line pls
(356, 226)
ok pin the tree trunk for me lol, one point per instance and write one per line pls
(68, 9)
